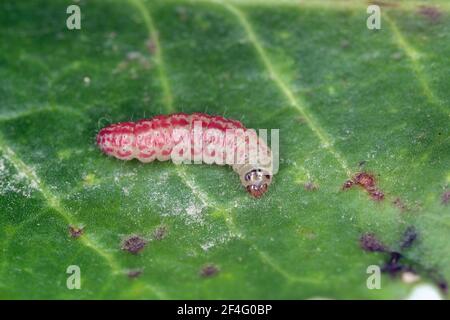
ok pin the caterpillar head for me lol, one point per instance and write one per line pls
(257, 182)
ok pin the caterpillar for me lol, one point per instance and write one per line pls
(181, 137)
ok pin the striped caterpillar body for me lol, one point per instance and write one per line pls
(198, 136)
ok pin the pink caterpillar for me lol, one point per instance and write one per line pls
(177, 137)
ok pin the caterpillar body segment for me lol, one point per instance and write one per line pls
(198, 137)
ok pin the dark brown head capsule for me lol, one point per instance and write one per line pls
(257, 182)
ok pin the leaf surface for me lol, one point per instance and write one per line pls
(346, 99)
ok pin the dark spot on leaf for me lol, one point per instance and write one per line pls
(409, 237)
(445, 198)
(311, 186)
(442, 284)
(133, 244)
(397, 264)
(75, 232)
(369, 242)
(209, 271)
(393, 267)
(160, 233)
(367, 182)
(134, 273)
(362, 163)
(433, 14)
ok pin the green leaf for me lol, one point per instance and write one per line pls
(346, 99)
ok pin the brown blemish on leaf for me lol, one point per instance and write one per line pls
(377, 195)
(134, 244)
(367, 182)
(445, 198)
(311, 186)
(347, 185)
(209, 271)
(433, 14)
(160, 233)
(400, 204)
(134, 273)
(369, 242)
(75, 232)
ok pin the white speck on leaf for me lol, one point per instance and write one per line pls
(207, 246)
(16, 182)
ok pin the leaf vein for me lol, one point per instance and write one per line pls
(54, 202)
(295, 102)
(413, 56)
